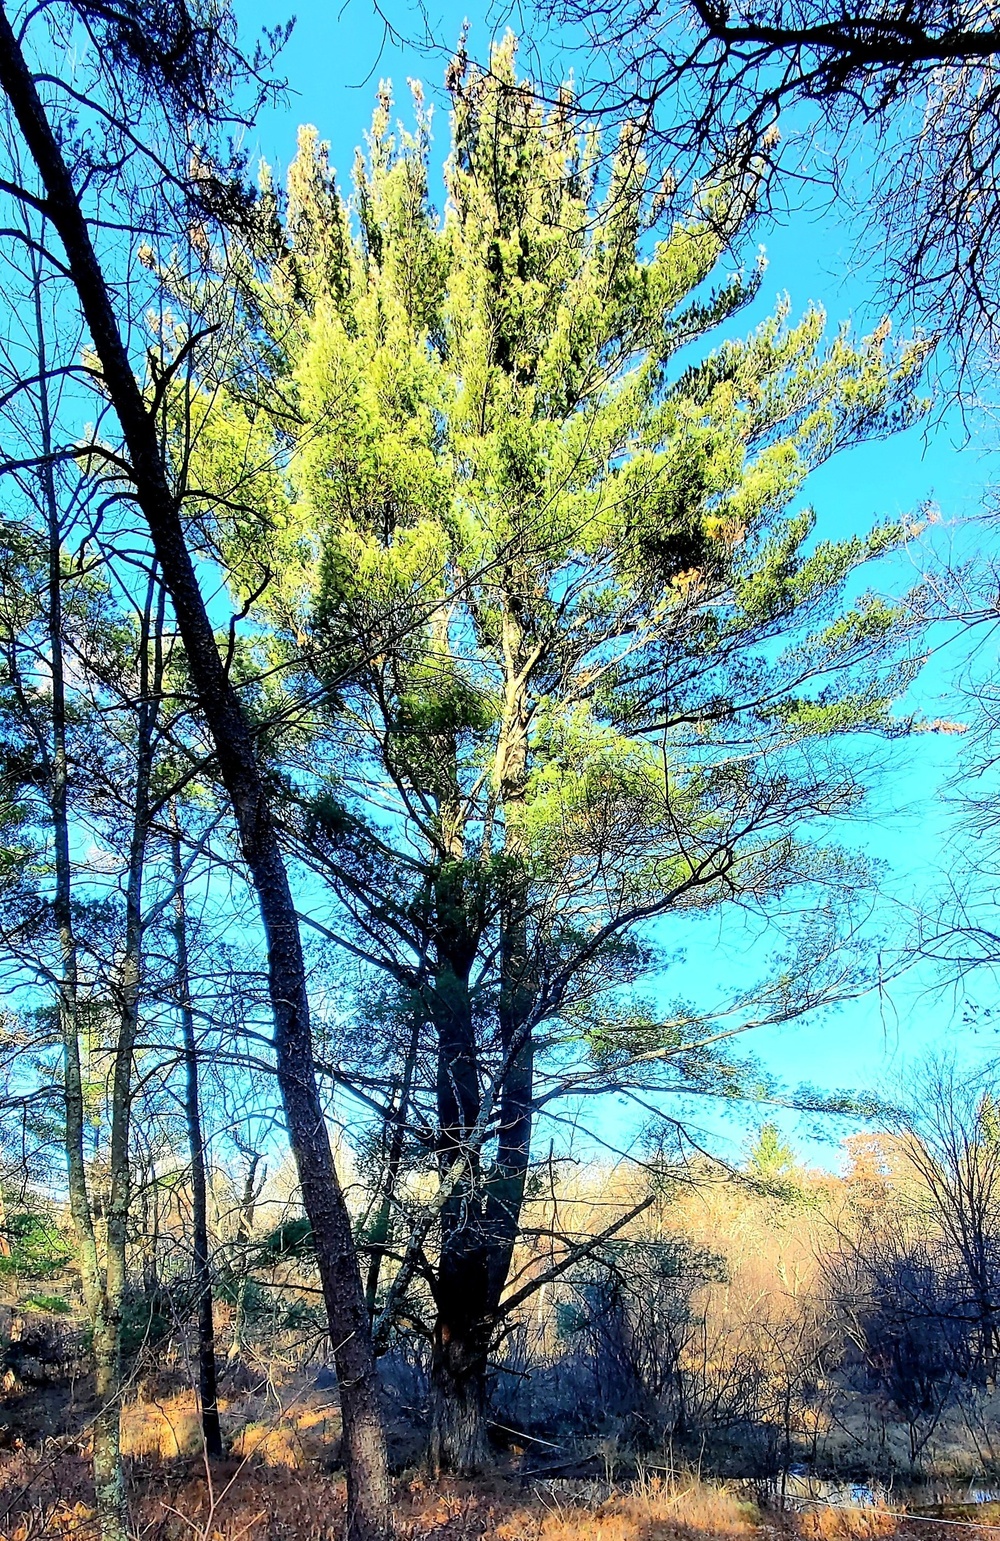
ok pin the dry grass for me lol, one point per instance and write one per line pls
(167, 1428)
(659, 1513)
(821, 1524)
(162, 1430)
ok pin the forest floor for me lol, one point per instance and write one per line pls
(280, 1483)
(254, 1500)
(281, 1480)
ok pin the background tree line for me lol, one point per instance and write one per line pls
(767, 1319)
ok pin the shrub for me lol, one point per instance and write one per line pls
(38, 1249)
(54, 1303)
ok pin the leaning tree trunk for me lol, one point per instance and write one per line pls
(368, 1491)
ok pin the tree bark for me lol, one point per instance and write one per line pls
(381, 1227)
(207, 1374)
(479, 1232)
(107, 1340)
(369, 1506)
(459, 1441)
(458, 1362)
(244, 1229)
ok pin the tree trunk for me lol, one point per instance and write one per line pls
(459, 1442)
(369, 1506)
(244, 1230)
(481, 1218)
(461, 1336)
(518, 973)
(478, 1244)
(108, 1473)
(458, 1366)
(207, 1376)
(380, 1231)
(108, 1340)
(109, 1476)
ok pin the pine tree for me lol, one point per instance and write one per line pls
(770, 1157)
(605, 666)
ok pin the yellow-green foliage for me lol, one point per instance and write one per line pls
(505, 501)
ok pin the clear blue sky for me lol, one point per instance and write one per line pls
(333, 63)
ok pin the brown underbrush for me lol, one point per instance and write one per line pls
(277, 1490)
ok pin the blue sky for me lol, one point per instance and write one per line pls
(333, 62)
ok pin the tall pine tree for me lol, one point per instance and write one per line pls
(606, 667)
